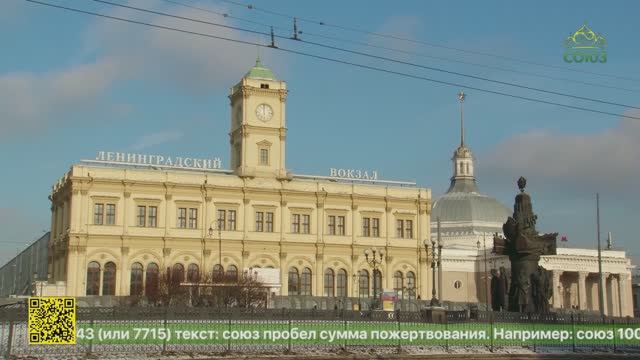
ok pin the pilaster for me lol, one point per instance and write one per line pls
(557, 297)
(582, 290)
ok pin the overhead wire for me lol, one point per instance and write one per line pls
(373, 56)
(401, 51)
(421, 42)
(339, 61)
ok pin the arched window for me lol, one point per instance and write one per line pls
(341, 283)
(193, 273)
(398, 281)
(177, 274)
(232, 273)
(294, 281)
(329, 284)
(466, 168)
(305, 282)
(460, 165)
(218, 272)
(109, 279)
(93, 278)
(136, 279)
(377, 282)
(411, 285)
(151, 283)
(363, 283)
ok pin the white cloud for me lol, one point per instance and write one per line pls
(154, 139)
(607, 160)
(398, 26)
(195, 65)
(32, 101)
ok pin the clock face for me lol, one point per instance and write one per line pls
(264, 112)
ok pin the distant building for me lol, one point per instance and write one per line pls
(18, 275)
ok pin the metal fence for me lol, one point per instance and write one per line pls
(14, 330)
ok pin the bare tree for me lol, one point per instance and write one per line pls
(227, 290)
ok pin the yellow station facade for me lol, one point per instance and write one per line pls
(113, 226)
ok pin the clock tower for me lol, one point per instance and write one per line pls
(258, 127)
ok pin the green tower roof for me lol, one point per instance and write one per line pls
(260, 72)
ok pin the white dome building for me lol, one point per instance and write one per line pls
(467, 222)
(466, 215)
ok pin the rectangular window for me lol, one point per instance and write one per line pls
(264, 86)
(259, 221)
(341, 226)
(399, 228)
(142, 216)
(295, 223)
(153, 217)
(232, 220)
(222, 219)
(182, 218)
(193, 218)
(269, 222)
(375, 227)
(98, 213)
(332, 225)
(306, 221)
(264, 156)
(111, 214)
(408, 229)
(366, 227)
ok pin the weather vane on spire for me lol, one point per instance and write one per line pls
(461, 97)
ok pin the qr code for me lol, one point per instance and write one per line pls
(52, 320)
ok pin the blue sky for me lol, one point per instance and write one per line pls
(72, 84)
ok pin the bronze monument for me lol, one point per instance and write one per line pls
(530, 286)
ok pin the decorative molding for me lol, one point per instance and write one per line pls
(283, 95)
(124, 250)
(354, 257)
(166, 251)
(208, 198)
(246, 201)
(245, 254)
(207, 252)
(283, 255)
(319, 256)
(168, 197)
(354, 207)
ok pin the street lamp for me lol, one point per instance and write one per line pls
(219, 243)
(374, 263)
(434, 263)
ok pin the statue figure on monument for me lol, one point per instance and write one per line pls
(530, 288)
(499, 289)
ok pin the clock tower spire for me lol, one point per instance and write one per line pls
(258, 126)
